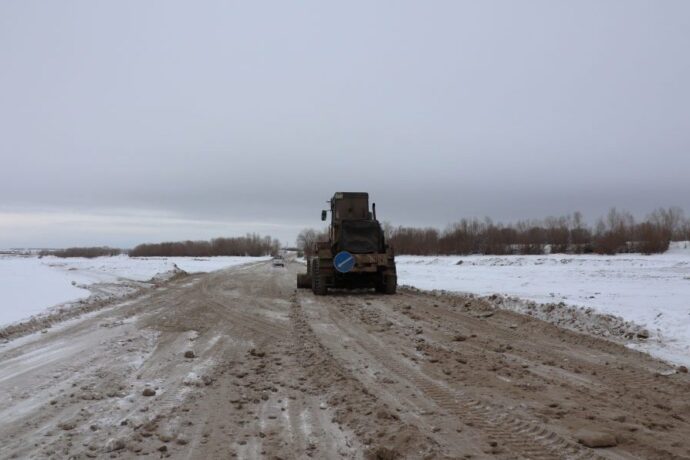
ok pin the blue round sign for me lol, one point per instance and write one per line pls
(344, 262)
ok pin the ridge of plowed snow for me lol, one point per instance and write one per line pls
(652, 291)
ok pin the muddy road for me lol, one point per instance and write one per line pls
(237, 364)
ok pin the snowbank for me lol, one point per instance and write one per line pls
(29, 285)
(652, 291)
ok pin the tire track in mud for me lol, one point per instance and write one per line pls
(261, 329)
(634, 378)
(600, 382)
(606, 371)
(251, 321)
(523, 438)
(270, 410)
(641, 378)
(379, 429)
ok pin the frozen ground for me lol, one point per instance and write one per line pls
(29, 285)
(652, 291)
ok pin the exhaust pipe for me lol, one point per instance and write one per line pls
(373, 210)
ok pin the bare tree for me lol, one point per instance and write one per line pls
(616, 232)
(88, 252)
(307, 238)
(670, 221)
(388, 230)
(249, 245)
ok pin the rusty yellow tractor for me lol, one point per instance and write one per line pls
(356, 255)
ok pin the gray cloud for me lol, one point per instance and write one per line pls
(251, 114)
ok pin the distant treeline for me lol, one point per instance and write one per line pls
(616, 233)
(89, 253)
(249, 245)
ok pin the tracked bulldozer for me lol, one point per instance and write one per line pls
(356, 255)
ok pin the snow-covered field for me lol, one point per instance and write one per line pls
(31, 285)
(652, 291)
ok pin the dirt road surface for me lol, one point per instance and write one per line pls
(237, 364)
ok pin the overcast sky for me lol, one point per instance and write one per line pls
(129, 121)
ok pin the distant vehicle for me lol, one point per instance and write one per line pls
(356, 255)
(278, 261)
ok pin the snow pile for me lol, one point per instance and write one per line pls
(651, 291)
(31, 285)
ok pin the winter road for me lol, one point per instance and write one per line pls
(236, 363)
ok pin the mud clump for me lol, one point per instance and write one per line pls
(67, 425)
(114, 444)
(596, 439)
(382, 453)
(189, 354)
(257, 353)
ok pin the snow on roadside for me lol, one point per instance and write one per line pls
(32, 285)
(28, 287)
(110, 269)
(651, 291)
(209, 264)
